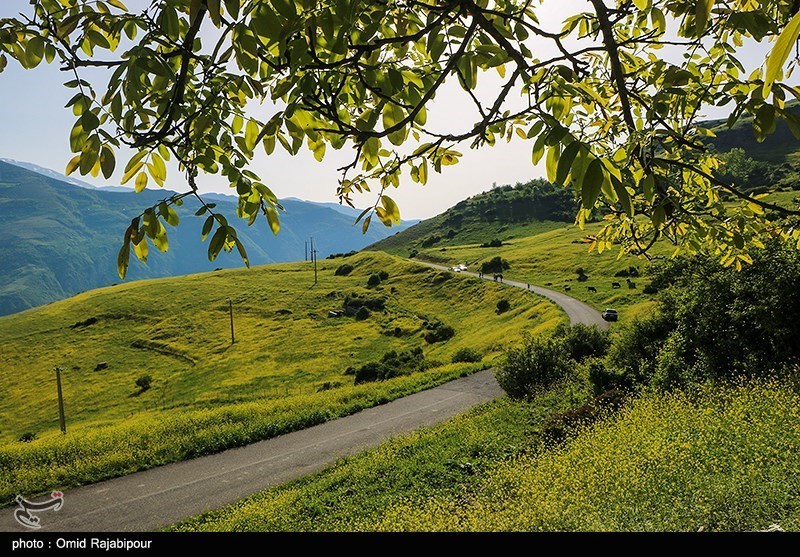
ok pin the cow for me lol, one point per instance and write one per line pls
(591, 289)
(631, 284)
(615, 285)
(567, 287)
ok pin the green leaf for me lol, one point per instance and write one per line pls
(141, 182)
(624, 196)
(251, 135)
(107, 162)
(123, 258)
(34, 51)
(593, 181)
(217, 241)
(242, 252)
(392, 210)
(780, 53)
(207, 226)
(141, 249)
(551, 165)
(273, 219)
(73, 165)
(566, 160)
(702, 13)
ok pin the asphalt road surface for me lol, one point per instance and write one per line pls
(161, 496)
(577, 311)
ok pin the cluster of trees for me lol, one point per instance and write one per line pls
(712, 323)
(524, 202)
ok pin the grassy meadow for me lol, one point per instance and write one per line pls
(721, 457)
(552, 257)
(284, 372)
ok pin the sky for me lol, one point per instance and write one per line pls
(34, 127)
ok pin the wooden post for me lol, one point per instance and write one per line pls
(230, 305)
(61, 420)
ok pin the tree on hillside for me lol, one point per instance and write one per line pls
(611, 101)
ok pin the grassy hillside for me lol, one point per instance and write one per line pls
(177, 330)
(722, 458)
(521, 210)
(57, 239)
(552, 258)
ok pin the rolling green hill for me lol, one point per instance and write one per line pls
(285, 371)
(57, 239)
(506, 211)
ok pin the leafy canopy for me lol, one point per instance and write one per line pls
(613, 112)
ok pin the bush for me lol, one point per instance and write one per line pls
(437, 331)
(583, 341)
(495, 265)
(362, 313)
(144, 382)
(391, 364)
(503, 306)
(337, 255)
(493, 244)
(600, 377)
(383, 275)
(466, 355)
(353, 302)
(373, 281)
(537, 364)
(343, 270)
(27, 437)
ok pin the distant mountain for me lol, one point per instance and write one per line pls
(57, 238)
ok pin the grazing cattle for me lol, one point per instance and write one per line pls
(548, 284)
(500, 276)
(567, 287)
(494, 276)
(591, 289)
(615, 285)
(631, 284)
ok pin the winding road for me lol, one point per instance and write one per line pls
(577, 311)
(161, 496)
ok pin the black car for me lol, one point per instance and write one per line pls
(610, 314)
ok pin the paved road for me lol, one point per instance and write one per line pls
(161, 496)
(577, 311)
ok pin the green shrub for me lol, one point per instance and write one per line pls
(503, 306)
(436, 331)
(144, 382)
(27, 437)
(536, 364)
(343, 270)
(466, 355)
(391, 364)
(362, 313)
(383, 275)
(353, 302)
(495, 265)
(493, 244)
(583, 341)
(374, 280)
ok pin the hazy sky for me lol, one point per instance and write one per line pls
(34, 127)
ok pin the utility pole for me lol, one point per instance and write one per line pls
(230, 306)
(306, 256)
(314, 259)
(61, 420)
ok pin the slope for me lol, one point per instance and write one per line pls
(285, 371)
